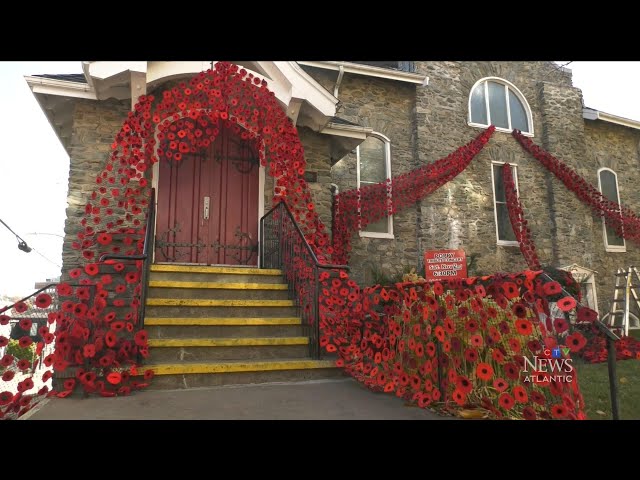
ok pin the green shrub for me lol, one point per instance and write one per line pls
(20, 353)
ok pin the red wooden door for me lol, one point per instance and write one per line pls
(208, 205)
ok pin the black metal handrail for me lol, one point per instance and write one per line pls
(147, 254)
(46, 287)
(279, 251)
(611, 356)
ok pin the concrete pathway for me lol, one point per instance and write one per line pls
(341, 399)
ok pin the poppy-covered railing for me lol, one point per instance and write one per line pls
(601, 332)
(145, 257)
(500, 346)
(27, 332)
(284, 246)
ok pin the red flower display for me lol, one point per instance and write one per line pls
(516, 217)
(6, 360)
(621, 219)
(20, 307)
(25, 324)
(23, 364)
(355, 209)
(484, 371)
(43, 300)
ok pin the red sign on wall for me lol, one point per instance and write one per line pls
(445, 264)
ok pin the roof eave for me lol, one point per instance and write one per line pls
(593, 114)
(371, 71)
(64, 88)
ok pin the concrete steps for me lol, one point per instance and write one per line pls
(233, 348)
(212, 326)
(206, 327)
(230, 372)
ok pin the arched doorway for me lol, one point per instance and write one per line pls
(209, 203)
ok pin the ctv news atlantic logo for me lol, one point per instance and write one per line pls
(553, 366)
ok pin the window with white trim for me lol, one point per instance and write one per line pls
(504, 230)
(608, 185)
(587, 280)
(374, 166)
(494, 101)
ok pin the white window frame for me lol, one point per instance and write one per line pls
(584, 276)
(387, 151)
(607, 247)
(503, 243)
(516, 91)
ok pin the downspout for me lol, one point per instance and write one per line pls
(338, 82)
(334, 207)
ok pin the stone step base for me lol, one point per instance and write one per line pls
(194, 375)
(216, 349)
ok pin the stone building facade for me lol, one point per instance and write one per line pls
(425, 123)
(421, 111)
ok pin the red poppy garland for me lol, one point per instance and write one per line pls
(621, 219)
(355, 209)
(516, 217)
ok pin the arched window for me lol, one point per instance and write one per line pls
(494, 101)
(374, 166)
(608, 185)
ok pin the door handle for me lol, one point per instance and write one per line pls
(205, 214)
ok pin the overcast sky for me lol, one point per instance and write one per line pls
(34, 167)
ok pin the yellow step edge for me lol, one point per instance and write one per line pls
(227, 342)
(208, 269)
(188, 302)
(232, 367)
(224, 322)
(214, 285)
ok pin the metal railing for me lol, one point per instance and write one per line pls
(146, 256)
(27, 320)
(283, 246)
(611, 356)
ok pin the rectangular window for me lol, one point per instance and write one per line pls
(504, 231)
(608, 183)
(374, 166)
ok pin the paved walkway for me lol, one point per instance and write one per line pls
(342, 399)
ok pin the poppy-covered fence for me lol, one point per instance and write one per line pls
(283, 246)
(507, 344)
(27, 331)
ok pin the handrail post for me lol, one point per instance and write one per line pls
(149, 247)
(316, 312)
(261, 247)
(613, 379)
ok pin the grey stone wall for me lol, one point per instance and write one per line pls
(563, 136)
(461, 213)
(95, 125)
(317, 155)
(387, 107)
(615, 147)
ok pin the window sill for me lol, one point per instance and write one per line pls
(615, 249)
(376, 235)
(498, 129)
(508, 243)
